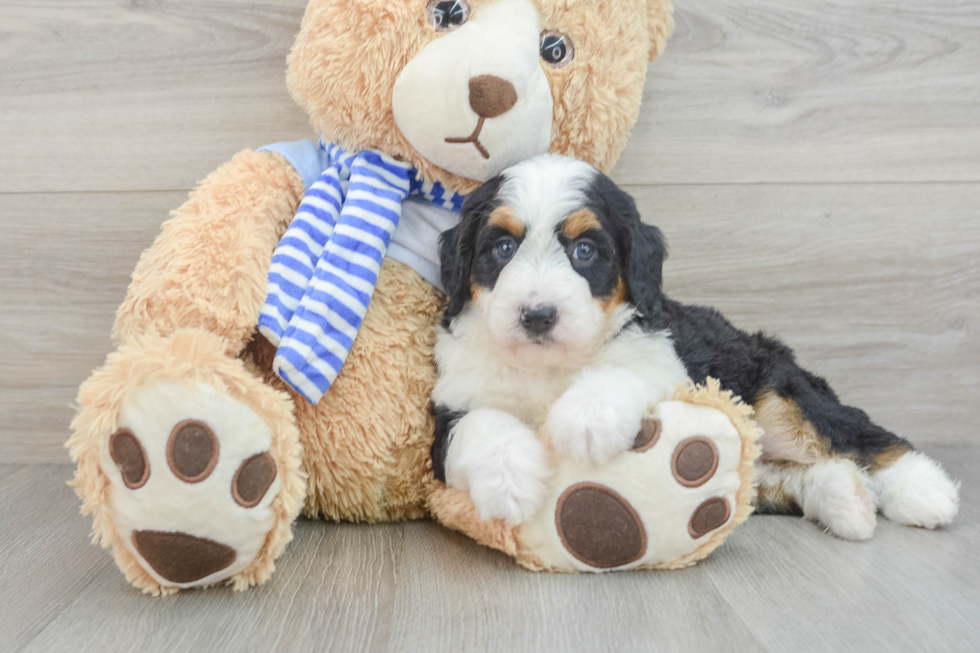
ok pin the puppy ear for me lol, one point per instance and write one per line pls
(648, 251)
(642, 248)
(457, 246)
(455, 271)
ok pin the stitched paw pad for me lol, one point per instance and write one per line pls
(653, 504)
(192, 481)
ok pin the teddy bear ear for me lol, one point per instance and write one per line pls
(660, 22)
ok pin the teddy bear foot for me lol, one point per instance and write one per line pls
(668, 501)
(652, 505)
(196, 481)
(192, 482)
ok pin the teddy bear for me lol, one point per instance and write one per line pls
(195, 450)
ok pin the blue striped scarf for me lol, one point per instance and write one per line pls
(326, 266)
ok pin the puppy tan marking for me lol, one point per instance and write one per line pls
(615, 299)
(787, 434)
(888, 457)
(505, 218)
(475, 289)
(773, 497)
(579, 222)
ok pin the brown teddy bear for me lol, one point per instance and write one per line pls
(194, 455)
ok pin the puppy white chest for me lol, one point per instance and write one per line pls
(471, 376)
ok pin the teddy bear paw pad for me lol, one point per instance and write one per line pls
(649, 506)
(192, 480)
(599, 527)
(180, 557)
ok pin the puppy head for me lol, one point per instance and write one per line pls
(552, 258)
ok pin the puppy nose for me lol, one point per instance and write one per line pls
(539, 320)
(491, 96)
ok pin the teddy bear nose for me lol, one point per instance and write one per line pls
(491, 96)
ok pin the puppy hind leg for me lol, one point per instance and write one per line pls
(832, 492)
(812, 425)
(913, 489)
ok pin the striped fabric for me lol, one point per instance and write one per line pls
(326, 266)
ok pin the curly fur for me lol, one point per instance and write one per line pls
(197, 291)
(346, 88)
(453, 507)
(188, 356)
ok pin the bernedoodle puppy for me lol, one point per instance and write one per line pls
(557, 319)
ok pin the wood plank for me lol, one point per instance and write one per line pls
(906, 589)
(107, 95)
(66, 260)
(808, 91)
(46, 559)
(454, 596)
(876, 286)
(327, 595)
(778, 584)
(416, 586)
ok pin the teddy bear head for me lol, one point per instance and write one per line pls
(465, 88)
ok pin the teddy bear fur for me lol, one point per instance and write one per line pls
(190, 314)
(454, 508)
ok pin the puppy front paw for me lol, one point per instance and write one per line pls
(502, 464)
(599, 416)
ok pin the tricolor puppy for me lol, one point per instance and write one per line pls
(556, 316)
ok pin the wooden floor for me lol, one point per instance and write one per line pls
(779, 584)
(815, 165)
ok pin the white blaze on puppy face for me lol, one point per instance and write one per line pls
(497, 52)
(542, 193)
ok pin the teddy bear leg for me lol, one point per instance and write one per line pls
(190, 464)
(366, 443)
(667, 501)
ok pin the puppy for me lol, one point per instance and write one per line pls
(556, 317)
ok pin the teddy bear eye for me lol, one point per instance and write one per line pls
(556, 48)
(445, 15)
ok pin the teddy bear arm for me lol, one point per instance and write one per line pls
(207, 268)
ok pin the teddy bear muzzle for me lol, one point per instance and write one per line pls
(476, 100)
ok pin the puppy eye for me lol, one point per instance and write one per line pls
(556, 48)
(445, 15)
(505, 248)
(584, 251)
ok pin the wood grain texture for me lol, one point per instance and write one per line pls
(778, 584)
(816, 168)
(112, 95)
(45, 555)
(805, 91)
(875, 286)
(65, 260)
(153, 95)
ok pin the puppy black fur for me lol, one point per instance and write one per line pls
(752, 365)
